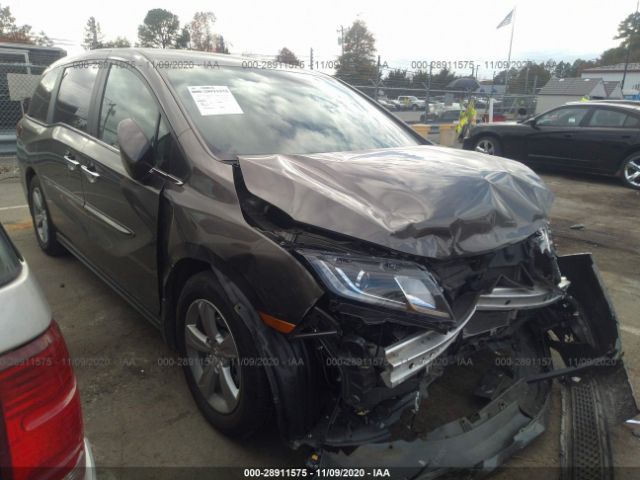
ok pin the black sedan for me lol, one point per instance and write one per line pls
(591, 137)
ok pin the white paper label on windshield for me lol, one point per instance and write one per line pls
(215, 100)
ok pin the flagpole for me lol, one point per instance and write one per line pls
(506, 77)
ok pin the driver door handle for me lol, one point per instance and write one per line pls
(72, 163)
(91, 175)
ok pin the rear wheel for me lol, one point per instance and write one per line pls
(220, 359)
(488, 145)
(44, 229)
(631, 171)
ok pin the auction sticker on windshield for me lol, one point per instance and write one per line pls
(215, 100)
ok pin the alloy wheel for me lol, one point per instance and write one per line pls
(632, 172)
(212, 355)
(485, 146)
(40, 217)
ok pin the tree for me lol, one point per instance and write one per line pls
(7, 21)
(357, 64)
(286, 56)
(10, 31)
(92, 35)
(397, 82)
(201, 31)
(629, 30)
(119, 42)
(43, 40)
(441, 79)
(183, 40)
(160, 29)
(221, 46)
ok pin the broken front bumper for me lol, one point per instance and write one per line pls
(585, 333)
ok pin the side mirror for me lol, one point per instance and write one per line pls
(531, 122)
(135, 149)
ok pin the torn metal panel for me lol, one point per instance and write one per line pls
(428, 201)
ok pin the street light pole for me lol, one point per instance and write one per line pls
(626, 62)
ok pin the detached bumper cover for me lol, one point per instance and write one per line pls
(501, 429)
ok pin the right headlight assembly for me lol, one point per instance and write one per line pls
(392, 284)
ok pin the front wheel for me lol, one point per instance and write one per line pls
(631, 171)
(488, 145)
(220, 359)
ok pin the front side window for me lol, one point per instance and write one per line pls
(42, 96)
(606, 118)
(74, 95)
(126, 96)
(562, 117)
(240, 111)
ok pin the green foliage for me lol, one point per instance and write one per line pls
(160, 29)
(10, 31)
(119, 42)
(221, 47)
(201, 32)
(286, 56)
(92, 35)
(357, 65)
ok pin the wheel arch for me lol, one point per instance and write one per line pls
(289, 382)
(634, 150)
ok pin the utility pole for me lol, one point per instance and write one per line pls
(311, 58)
(626, 61)
(341, 32)
(428, 93)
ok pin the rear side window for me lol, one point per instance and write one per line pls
(126, 96)
(74, 95)
(42, 96)
(9, 262)
(603, 117)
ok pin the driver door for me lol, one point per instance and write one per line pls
(553, 141)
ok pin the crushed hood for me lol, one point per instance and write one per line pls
(429, 201)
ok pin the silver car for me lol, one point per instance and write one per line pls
(40, 411)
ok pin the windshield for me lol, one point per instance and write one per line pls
(243, 111)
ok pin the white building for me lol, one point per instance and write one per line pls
(614, 73)
(559, 91)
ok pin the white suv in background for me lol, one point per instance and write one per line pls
(41, 430)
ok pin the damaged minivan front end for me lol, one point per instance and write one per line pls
(430, 348)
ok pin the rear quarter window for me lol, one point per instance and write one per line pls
(42, 96)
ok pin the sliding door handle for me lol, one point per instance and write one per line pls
(72, 163)
(91, 175)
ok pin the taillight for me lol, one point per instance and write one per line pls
(41, 433)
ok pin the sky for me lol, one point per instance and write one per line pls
(406, 32)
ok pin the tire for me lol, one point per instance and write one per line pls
(630, 172)
(489, 145)
(42, 224)
(231, 391)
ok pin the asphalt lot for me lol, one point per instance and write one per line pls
(138, 411)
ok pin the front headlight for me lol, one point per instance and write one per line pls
(392, 284)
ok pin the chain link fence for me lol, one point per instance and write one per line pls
(20, 69)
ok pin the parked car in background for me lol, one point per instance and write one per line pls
(388, 104)
(596, 137)
(444, 117)
(409, 102)
(41, 430)
(314, 259)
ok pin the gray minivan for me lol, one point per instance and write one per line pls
(308, 254)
